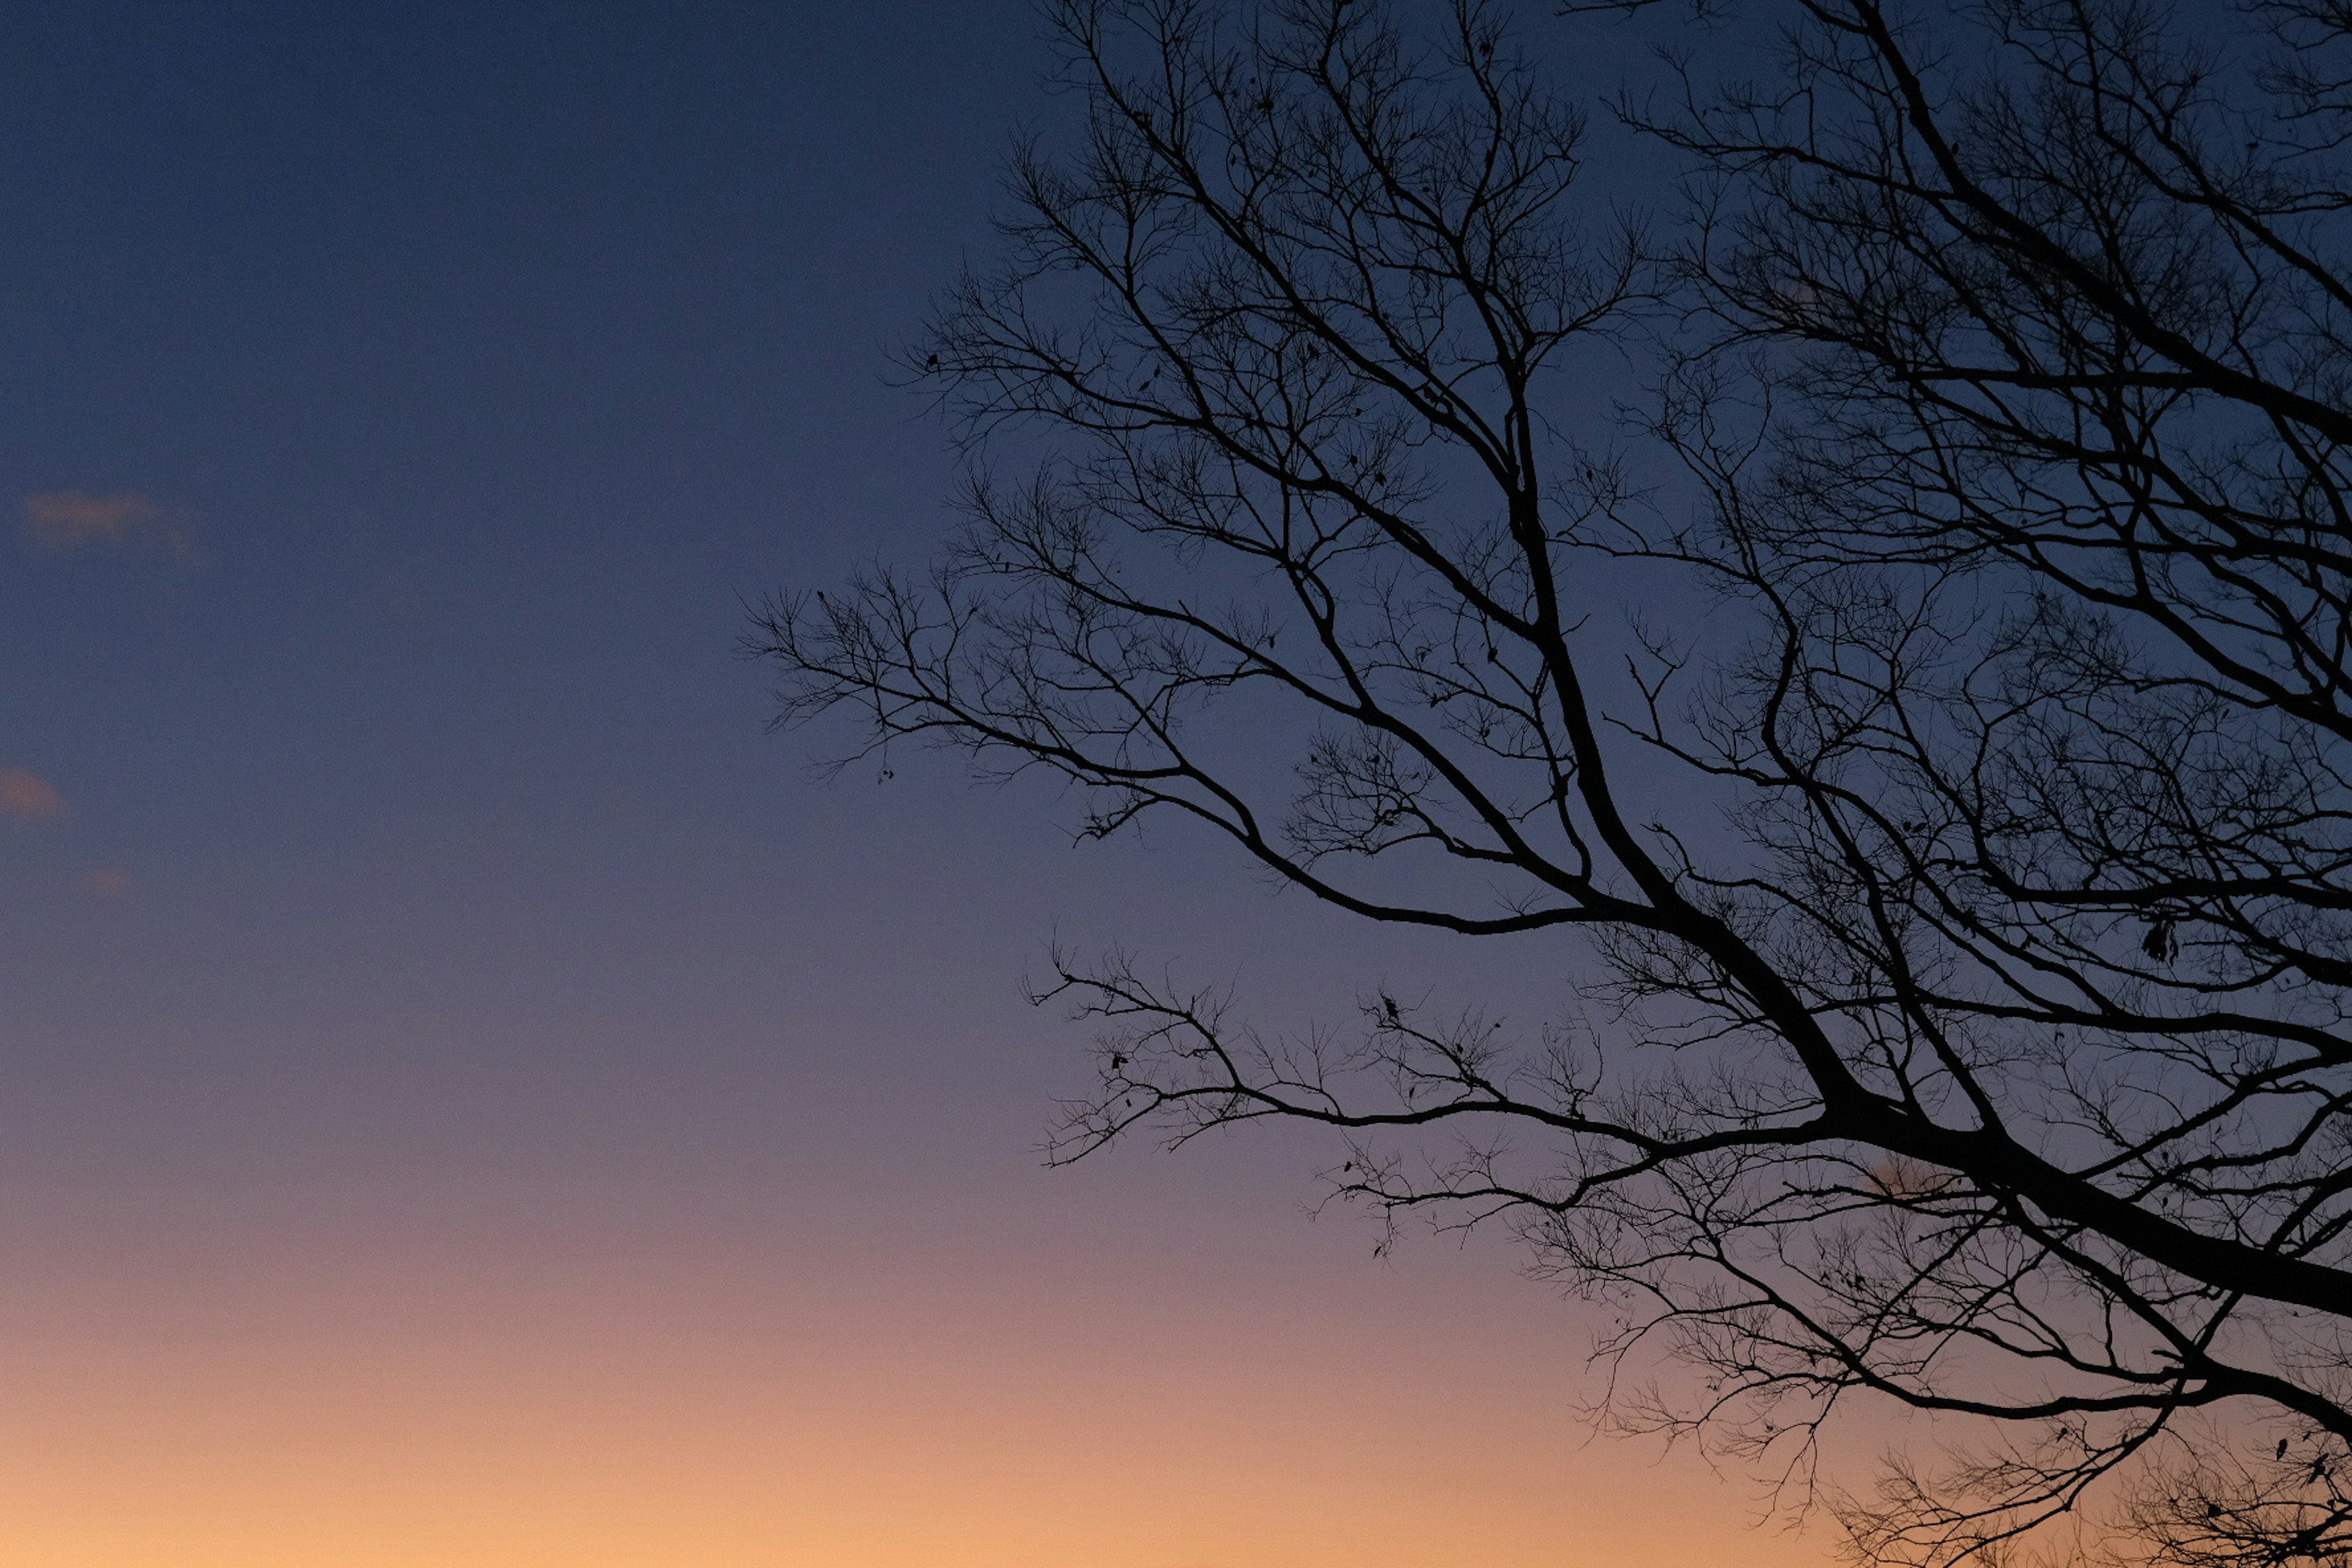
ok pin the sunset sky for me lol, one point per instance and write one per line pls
(472, 1098)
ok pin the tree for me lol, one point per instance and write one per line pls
(1980, 1048)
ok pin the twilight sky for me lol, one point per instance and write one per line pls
(468, 1096)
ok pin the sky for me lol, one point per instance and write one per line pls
(471, 1096)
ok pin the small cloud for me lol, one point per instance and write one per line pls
(25, 796)
(62, 519)
(1909, 1181)
(106, 883)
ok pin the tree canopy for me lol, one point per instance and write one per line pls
(1964, 1023)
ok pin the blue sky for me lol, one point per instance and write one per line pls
(399, 403)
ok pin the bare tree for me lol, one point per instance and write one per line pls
(1979, 1049)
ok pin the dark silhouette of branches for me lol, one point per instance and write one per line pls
(1982, 1051)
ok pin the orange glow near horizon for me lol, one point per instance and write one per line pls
(349, 1401)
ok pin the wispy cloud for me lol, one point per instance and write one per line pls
(106, 883)
(26, 796)
(63, 519)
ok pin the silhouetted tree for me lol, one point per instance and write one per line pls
(1979, 1047)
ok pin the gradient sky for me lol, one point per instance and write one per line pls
(468, 1096)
